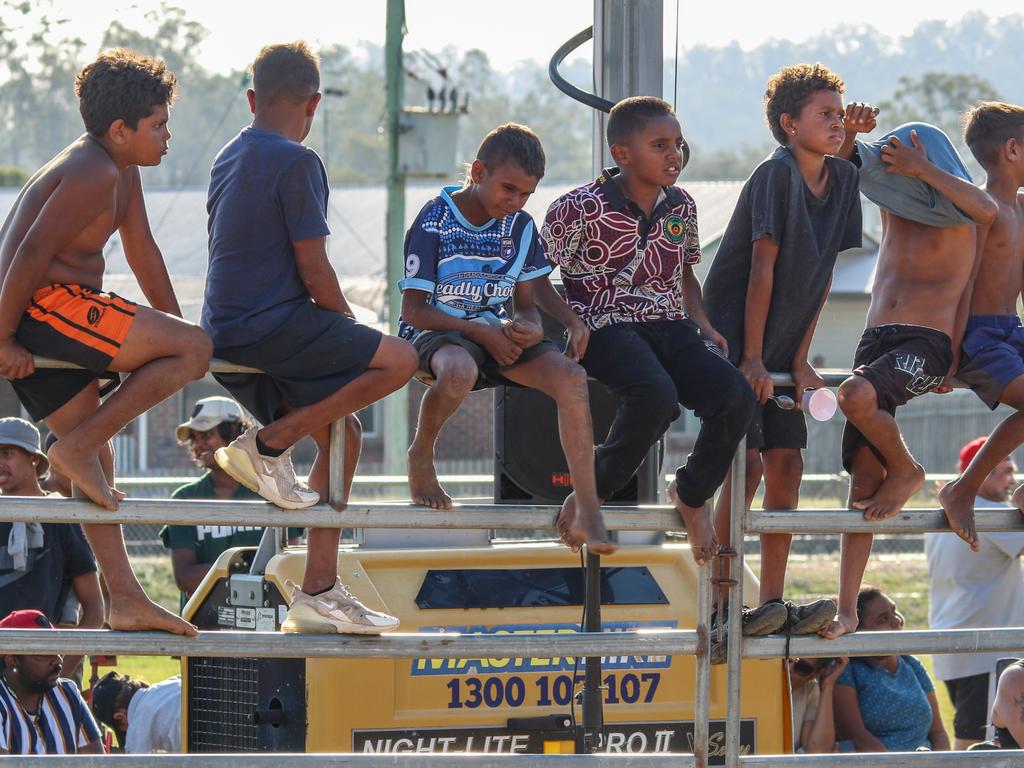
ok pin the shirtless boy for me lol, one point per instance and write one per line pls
(931, 214)
(993, 346)
(52, 303)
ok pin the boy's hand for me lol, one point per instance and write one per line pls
(524, 333)
(501, 347)
(716, 338)
(859, 117)
(15, 361)
(759, 378)
(832, 673)
(804, 378)
(908, 161)
(577, 336)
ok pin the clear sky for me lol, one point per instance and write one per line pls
(512, 31)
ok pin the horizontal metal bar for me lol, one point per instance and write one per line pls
(401, 760)
(1007, 758)
(165, 481)
(216, 365)
(356, 515)
(426, 645)
(1010, 640)
(852, 521)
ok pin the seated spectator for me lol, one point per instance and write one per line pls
(812, 682)
(886, 703)
(41, 713)
(43, 566)
(145, 718)
(214, 423)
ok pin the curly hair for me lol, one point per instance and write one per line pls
(122, 84)
(631, 115)
(513, 143)
(789, 90)
(988, 126)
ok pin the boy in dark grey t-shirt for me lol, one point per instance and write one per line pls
(764, 293)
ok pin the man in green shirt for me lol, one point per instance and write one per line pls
(214, 423)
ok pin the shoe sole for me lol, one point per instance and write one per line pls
(239, 466)
(331, 627)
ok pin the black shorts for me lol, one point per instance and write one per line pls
(970, 700)
(311, 356)
(773, 427)
(428, 342)
(900, 362)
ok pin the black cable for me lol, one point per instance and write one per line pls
(570, 90)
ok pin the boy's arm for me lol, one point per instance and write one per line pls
(143, 255)
(419, 313)
(577, 333)
(755, 315)
(913, 161)
(858, 117)
(318, 275)
(804, 375)
(693, 303)
(81, 197)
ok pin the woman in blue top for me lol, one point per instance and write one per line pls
(887, 703)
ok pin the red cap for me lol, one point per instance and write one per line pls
(25, 619)
(969, 451)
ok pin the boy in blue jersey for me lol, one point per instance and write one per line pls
(273, 302)
(470, 251)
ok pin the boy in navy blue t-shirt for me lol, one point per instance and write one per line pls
(470, 251)
(273, 302)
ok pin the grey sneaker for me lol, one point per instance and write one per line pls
(272, 478)
(336, 611)
(808, 619)
(766, 619)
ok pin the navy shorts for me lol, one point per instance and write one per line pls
(428, 342)
(901, 362)
(773, 427)
(993, 355)
(311, 356)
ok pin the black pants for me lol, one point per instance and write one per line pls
(655, 367)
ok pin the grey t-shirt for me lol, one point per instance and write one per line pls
(809, 231)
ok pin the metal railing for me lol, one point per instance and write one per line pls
(583, 644)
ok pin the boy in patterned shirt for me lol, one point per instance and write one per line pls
(470, 251)
(626, 245)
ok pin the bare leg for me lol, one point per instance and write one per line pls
(783, 469)
(391, 367)
(129, 607)
(566, 383)
(866, 477)
(723, 510)
(162, 353)
(903, 476)
(322, 543)
(957, 497)
(456, 373)
(700, 532)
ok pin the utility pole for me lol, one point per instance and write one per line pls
(396, 406)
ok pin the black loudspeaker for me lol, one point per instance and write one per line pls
(529, 466)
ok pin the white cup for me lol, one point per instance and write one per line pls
(821, 404)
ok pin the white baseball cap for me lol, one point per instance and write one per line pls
(208, 413)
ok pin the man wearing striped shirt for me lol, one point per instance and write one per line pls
(40, 712)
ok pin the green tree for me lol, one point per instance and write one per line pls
(939, 98)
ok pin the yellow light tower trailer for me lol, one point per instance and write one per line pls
(460, 705)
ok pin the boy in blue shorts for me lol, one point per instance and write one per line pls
(273, 302)
(764, 293)
(626, 245)
(992, 354)
(470, 251)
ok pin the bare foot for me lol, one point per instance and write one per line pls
(839, 626)
(699, 530)
(83, 468)
(959, 509)
(424, 486)
(588, 526)
(139, 613)
(564, 524)
(892, 494)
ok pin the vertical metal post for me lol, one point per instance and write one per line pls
(591, 736)
(702, 682)
(396, 417)
(734, 645)
(336, 467)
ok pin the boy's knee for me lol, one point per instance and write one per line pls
(660, 400)
(353, 427)
(197, 353)
(570, 381)
(407, 359)
(857, 396)
(458, 376)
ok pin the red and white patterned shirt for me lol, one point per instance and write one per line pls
(618, 266)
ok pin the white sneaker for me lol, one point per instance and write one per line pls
(273, 478)
(336, 612)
